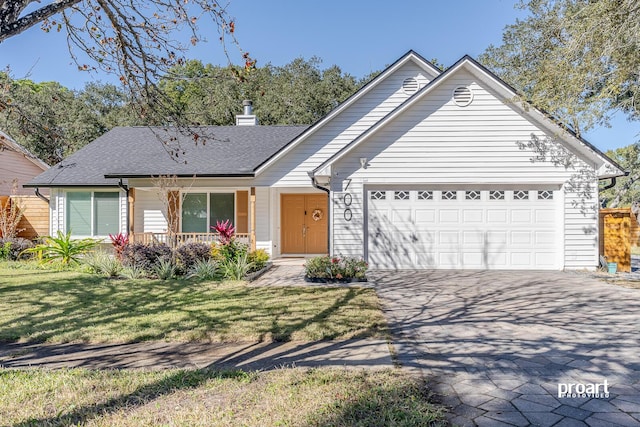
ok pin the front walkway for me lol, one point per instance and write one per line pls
(499, 345)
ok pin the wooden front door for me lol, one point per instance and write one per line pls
(302, 231)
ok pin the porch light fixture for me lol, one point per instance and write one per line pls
(363, 162)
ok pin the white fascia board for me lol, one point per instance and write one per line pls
(410, 56)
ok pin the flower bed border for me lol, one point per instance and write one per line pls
(327, 280)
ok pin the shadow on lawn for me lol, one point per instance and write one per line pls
(179, 380)
(75, 307)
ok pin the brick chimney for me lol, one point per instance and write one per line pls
(247, 118)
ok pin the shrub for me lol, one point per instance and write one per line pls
(12, 249)
(111, 266)
(11, 213)
(146, 257)
(236, 269)
(259, 259)
(204, 270)
(335, 268)
(233, 250)
(226, 230)
(165, 269)
(189, 254)
(134, 272)
(62, 249)
(119, 242)
(93, 261)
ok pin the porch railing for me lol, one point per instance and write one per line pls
(177, 239)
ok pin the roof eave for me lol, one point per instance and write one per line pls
(58, 185)
(197, 175)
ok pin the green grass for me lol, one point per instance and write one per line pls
(286, 397)
(39, 305)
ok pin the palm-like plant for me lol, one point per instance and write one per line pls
(62, 248)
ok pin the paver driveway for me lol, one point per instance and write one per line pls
(496, 345)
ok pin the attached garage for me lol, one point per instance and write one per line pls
(475, 228)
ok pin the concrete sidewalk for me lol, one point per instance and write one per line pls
(361, 353)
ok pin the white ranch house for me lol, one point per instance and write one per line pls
(419, 169)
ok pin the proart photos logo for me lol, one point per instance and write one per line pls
(591, 390)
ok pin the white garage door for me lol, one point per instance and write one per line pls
(467, 229)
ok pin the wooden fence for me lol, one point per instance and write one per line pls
(619, 231)
(35, 218)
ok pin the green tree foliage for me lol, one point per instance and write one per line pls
(627, 189)
(52, 121)
(577, 59)
(300, 92)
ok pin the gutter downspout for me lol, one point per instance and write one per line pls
(610, 185)
(126, 190)
(41, 196)
(326, 190)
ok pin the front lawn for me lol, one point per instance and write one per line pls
(291, 397)
(66, 306)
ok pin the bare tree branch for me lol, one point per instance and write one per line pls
(11, 25)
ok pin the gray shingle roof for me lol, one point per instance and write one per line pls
(142, 151)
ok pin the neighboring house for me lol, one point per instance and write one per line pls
(17, 167)
(418, 169)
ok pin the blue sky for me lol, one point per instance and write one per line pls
(360, 36)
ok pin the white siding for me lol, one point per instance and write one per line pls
(291, 170)
(437, 142)
(124, 205)
(56, 206)
(348, 236)
(263, 224)
(148, 213)
(581, 224)
(16, 166)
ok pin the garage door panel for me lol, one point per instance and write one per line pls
(499, 237)
(473, 260)
(472, 216)
(401, 215)
(496, 232)
(449, 216)
(448, 237)
(473, 237)
(448, 260)
(425, 216)
(545, 237)
(497, 259)
(497, 216)
(545, 258)
(521, 237)
(520, 259)
(545, 216)
(521, 216)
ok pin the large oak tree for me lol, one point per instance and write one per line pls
(578, 60)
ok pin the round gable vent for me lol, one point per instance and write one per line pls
(462, 96)
(410, 85)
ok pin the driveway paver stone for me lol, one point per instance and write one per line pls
(496, 344)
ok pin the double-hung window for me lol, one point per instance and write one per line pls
(200, 211)
(93, 213)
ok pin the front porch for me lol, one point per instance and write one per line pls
(282, 221)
